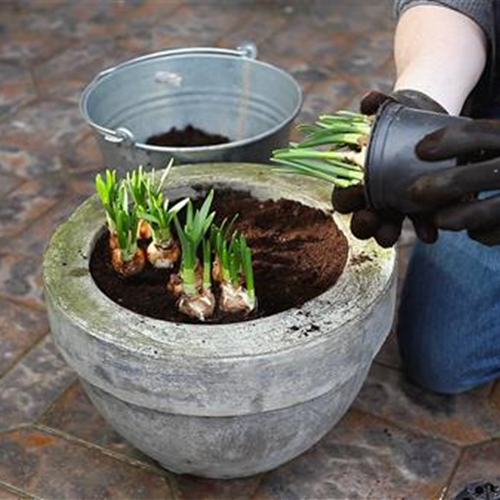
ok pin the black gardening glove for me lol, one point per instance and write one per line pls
(452, 191)
(367, 222)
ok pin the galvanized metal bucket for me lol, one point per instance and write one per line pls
(217, 90)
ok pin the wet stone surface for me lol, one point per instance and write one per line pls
(17, 161)
(26, 203)
(398, 442)
(75, 415)
(8, 183)
(43, 126)
(463, 419)
(29, 456)
(17, 88)
(21, 279)
(196, 488)
(364, 457)
(478, 464)
(33, 384)
(20, 327)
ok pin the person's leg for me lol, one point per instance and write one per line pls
(449, 318)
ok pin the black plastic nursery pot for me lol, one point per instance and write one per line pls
(392, 164)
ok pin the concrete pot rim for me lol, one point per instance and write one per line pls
(70, 288)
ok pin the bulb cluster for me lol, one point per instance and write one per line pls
(137, 209)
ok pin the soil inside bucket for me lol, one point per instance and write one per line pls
(188, 137)
(298, 251)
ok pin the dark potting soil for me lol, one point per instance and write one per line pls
(187, 137)
(298, 251)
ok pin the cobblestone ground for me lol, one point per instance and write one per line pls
(396, 442)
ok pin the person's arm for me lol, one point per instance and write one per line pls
(441, 48)
(441, 53)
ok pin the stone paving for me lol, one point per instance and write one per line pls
(397, 441)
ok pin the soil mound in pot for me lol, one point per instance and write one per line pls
(299, 253)
(188, 137)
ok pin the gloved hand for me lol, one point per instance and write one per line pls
(452, 191)
(367, 222)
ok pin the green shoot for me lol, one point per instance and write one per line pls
(137, 184)
(159, 186)
(224, 241)
(246, 259)
(160, 216)
(224, 263)
(238, 288)
(234, 261)
(207, 264)
(217, 239)
(227, 230)
(142, 186)
(122, 219)
(190, 235)
(344, 134)
(107, 190)
(126, 222)
(220, 234)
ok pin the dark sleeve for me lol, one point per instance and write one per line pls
(481, 11)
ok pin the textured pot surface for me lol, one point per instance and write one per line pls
(221, 400)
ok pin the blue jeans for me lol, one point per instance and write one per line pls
(449, 318)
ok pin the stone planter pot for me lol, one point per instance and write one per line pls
(221, 400)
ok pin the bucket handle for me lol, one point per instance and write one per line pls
(245, 49)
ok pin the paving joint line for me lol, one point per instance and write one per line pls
(10, 113)
(27, 351)
(446, 487)
(393, 369)
(492, 439)
(13, 428)
(387, 365)
(17, 491)
(47, 410)
(15, 361)
(36, 99)
(16, 178)
(105, 451)
(168, 476)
